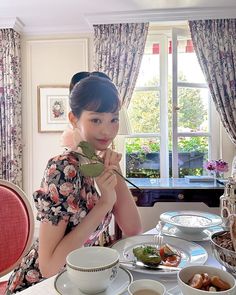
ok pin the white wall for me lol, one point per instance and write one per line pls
(46, 61)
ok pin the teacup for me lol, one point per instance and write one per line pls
(92, 269)
(146, 287)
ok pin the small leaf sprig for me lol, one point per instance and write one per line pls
(96, 166)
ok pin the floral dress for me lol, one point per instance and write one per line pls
(64, 195)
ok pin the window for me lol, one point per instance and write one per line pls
(171, 112)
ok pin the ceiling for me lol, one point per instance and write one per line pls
(69, 16)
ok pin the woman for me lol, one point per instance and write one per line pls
(71, 212)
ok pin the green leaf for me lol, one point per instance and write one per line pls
(87, 149)
(92, 169)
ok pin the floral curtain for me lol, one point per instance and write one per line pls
(215, 45)
(10, 107)
(118, 53)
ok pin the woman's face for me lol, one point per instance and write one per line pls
(99, 129)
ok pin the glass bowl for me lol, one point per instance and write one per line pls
(223, 255)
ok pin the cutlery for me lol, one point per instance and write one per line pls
(140, 264)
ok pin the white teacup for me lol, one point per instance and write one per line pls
(146, 287)
(92, 269)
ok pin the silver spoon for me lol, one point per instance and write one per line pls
(135, 263)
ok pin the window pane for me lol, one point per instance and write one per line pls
(192, 152)
(142, 157)
(193, 115)
(144, 112)
(150, 68)
(189, 69)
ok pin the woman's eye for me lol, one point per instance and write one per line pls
(96, 121)
(115, 120)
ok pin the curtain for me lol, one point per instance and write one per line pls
(215, 44)
(10, 107)
(119, 50)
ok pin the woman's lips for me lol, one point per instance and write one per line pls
(103, 141)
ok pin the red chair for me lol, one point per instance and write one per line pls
(16, 227)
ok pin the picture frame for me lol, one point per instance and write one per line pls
(53, 108)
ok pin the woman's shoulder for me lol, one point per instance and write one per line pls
(66, 158)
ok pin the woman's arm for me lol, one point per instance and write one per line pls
(54, 245)
(125, 210)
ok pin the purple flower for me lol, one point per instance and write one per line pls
(210, 165)
(216, 165)
(222, 166)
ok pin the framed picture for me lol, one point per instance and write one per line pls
(53, 108)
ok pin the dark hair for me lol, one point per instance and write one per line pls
(81, 75)
(94, 93)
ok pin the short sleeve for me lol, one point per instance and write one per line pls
(59, 192)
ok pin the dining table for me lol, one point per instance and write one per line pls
(47, 286)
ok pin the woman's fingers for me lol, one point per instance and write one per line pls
(110, 157)
(107, 178)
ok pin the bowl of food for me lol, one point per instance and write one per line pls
(223, 250)
(190, 222)
(201, 279)
(92, 269)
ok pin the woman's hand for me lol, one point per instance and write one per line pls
(106, 183)
(110, 157)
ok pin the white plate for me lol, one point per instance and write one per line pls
(190, 252)
(205, 235)
(191, 221)
(64, 286)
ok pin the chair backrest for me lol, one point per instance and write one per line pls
(16, 226)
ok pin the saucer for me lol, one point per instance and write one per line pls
(64, 286)
(205, 235)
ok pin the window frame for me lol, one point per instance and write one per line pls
(162, 37)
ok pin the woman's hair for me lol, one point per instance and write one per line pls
(81, 75)
(94, 92)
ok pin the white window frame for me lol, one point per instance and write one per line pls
(214, 132)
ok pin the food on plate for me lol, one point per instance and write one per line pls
(153, 256)
(208, 283)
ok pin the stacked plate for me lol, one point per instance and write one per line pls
(190, 225)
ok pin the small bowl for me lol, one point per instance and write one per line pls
(186, 273)
(224, 256)
(93, 269)
(146, 285)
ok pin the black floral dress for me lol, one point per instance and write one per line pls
(64, 195)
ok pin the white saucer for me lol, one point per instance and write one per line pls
(64, 286)
(205, 235)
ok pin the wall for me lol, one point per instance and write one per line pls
(46, 61)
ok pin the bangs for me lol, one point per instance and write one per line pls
(103, 105)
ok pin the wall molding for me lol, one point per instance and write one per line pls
(161, 15)
(12, 23)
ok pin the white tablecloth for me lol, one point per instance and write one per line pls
(47, 286)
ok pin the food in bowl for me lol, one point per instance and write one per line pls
(152, 256)
(223, 250)
(146, 287)
(224, 240)
(206, 282)
(189, 276)
(92, 269)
